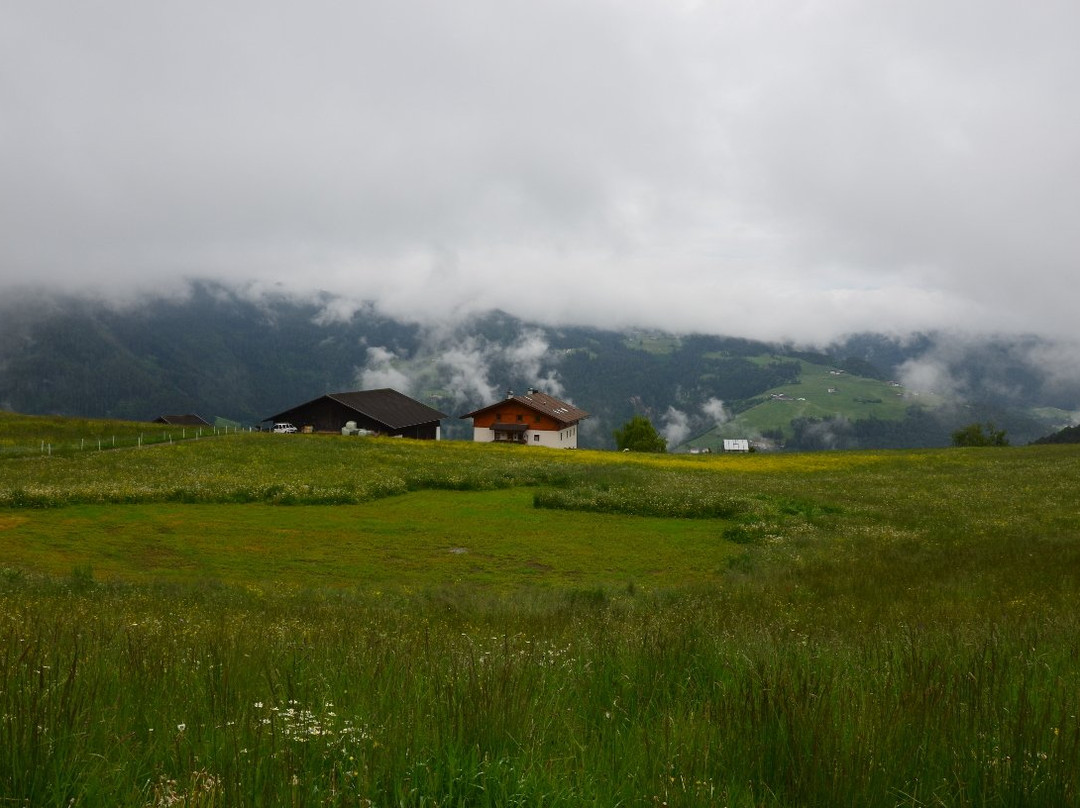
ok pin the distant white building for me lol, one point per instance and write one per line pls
(736, 445)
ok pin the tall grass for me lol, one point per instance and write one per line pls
(135, 696)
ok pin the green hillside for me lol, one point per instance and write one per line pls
(29, 435)
(821, 391)
(228, 354)
(305, 620)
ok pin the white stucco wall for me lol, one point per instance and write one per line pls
(561, 439)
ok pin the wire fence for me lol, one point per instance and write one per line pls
(100, 443)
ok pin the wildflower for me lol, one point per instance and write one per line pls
(181, 727)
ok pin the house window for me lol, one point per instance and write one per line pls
(536, 438)
(521, 418)
(536, 418)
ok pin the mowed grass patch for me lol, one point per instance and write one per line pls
(415, 541)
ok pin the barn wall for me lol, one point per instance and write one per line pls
(428, 431)
(327, 415)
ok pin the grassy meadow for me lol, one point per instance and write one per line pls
(267, 620)
(28, 435)
(852, 397)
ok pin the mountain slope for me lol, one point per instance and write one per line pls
(222, 352)
(819, 391)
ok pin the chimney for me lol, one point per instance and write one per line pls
(509, 393)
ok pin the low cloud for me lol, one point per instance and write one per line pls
(929, 374)
(464, 367)
(714, 410)
(676, 427)
(472, 369)
(832, 433)
(529, 355)
(381, 370)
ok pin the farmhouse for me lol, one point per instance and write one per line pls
(384, 412)
(535, 419)
(736, 445)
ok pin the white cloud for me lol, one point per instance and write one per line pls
(777, 170)
(714, 410)
(380, 371)
(675, 427)
(929, 374)
(467, 363)
(463, 364)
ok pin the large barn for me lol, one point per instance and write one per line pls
(384, 412)
(534, 419)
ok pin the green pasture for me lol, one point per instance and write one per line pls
(28, 435)
(851, 397)
(428, 539)
(268, 620)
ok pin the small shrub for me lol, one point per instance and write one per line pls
(978, 434)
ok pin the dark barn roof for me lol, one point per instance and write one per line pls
(181, 420)
(388, 408)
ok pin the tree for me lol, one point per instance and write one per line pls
(639, 435)
(980, 435)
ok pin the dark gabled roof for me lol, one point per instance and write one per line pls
(395, 410)
(182, 420)
(389, 407)
(540, 402)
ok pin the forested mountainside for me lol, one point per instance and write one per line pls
(221, 353)
(1070, 434)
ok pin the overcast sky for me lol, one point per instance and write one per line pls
(760, 168)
